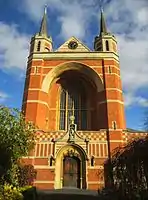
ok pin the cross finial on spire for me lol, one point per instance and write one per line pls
(45, 9)
(101, 6)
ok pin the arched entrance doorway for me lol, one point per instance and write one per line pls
(71, 171)
(70, 168)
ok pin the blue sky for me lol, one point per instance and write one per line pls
(127, 19)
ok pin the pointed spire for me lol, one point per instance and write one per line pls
(103, 28)
(43, 28)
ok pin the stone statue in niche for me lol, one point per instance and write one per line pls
(72, 129)
(72, 132)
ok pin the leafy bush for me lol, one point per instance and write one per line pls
(17, 139)
(16, 135)
(5, 160)
(8, 192)
(26, 175)
(130, 169)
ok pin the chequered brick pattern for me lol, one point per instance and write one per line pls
(124, 137)
(129, 136)
(49, 136)
(96, 135)
(91, 135)
(132, 136)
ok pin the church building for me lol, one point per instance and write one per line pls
(74, 96)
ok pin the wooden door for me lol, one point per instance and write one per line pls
(71, 172)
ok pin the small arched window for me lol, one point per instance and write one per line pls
(39, 46)
(50, 161)
(92, 161)
(36, 70)
(62, 110)
(114, 125)
(107, 45)
(109, 70)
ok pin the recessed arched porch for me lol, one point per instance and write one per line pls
(77, 88)
(70, 167)
(82, 68)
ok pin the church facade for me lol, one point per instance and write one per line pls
(74, 96)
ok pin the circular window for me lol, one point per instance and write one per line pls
(73, 45)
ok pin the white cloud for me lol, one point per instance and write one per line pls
(72, 25)
(13, 47)
(134, 63)
(131, 100)
(3, 96)
(142, 101)
(130, 24)
(73, 15)
(128, 99)
(127, 19)
(142, 15)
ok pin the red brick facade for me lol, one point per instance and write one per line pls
(99, 72)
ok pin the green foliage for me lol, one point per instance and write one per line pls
(5, 160)
(8, 192)
(26, 175)
(17, 138)
(11, 176)
(130, 169)
(16, 135)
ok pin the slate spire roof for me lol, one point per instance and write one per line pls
(103, 27)
(43, 27)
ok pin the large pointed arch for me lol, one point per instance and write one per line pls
(82, 68)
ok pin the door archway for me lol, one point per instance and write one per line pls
(70, 167)
(71, 171)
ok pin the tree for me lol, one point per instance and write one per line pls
(130, 168)
(26, 175)
(17, 138)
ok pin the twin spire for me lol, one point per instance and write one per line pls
(103, 27)
(43, 27)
